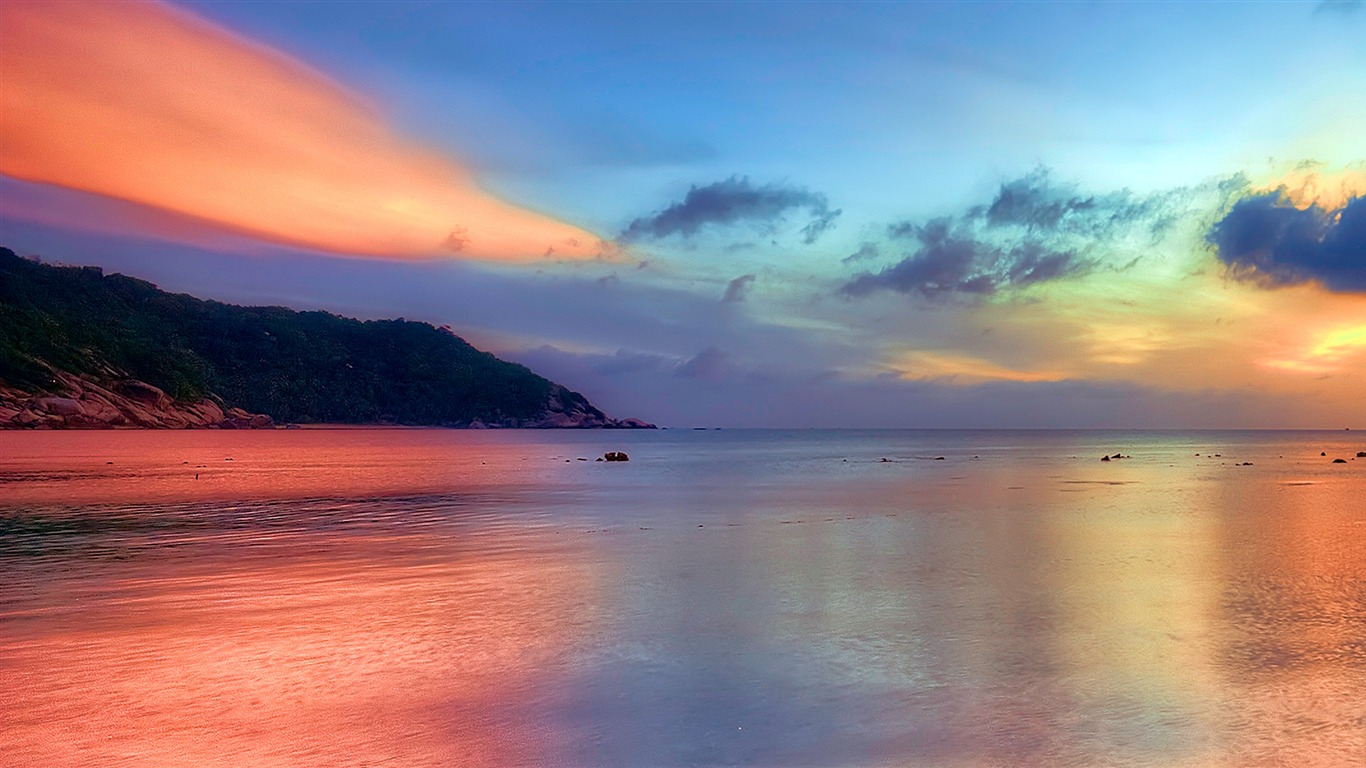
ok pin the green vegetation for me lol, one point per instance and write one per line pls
(294, 366)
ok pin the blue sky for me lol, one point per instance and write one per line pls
(724, 132)
(863, 101)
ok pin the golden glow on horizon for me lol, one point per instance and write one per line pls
(1332, 351)
(1173, 324)
(929, 364)
(143, 102)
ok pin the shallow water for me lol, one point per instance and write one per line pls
(783, 598)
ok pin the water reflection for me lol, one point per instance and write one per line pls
(233, 650)
(453, 600)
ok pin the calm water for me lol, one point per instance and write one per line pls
(439, 598)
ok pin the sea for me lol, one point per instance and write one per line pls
(425, 597)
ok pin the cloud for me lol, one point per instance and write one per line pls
(820, 225)
(1034, 230)
(865, 252)
(1266, 239)
(710, 363)
(1031, 203)
(735, 290)
(148, 103)
(945, 263)
(1039, 205)
(1120, 342)
(732, 201)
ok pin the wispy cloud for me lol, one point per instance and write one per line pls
(147, 103)
(865, 252)
(1034, 230)
(947, 263)
(1038, 205)
(733, 201)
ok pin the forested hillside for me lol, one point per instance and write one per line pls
(294, 366)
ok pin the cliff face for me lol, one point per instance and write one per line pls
(80, 349)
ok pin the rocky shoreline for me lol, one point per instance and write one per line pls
(77, 402)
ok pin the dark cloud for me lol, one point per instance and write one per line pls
(1041, 206)
(1033, 230)
(1032, 203)
(735, 290)
(1264, 238)
(902, 230)
(945, 263)
(732, 201)
(865, 252)
(820, 225)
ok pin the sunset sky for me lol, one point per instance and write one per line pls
(755, 214)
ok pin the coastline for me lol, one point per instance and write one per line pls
(75, 402)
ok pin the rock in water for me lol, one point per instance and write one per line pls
(616, 456)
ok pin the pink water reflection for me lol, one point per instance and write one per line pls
(435, 598)
(95, 467)
(378, 655)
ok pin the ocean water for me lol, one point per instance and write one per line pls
(726, 597)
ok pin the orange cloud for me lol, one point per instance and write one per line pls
(1311, 183)
(1330, 352)
(143, 102)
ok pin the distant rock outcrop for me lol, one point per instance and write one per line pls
(564, 409)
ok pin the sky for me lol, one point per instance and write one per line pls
(800, 214)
